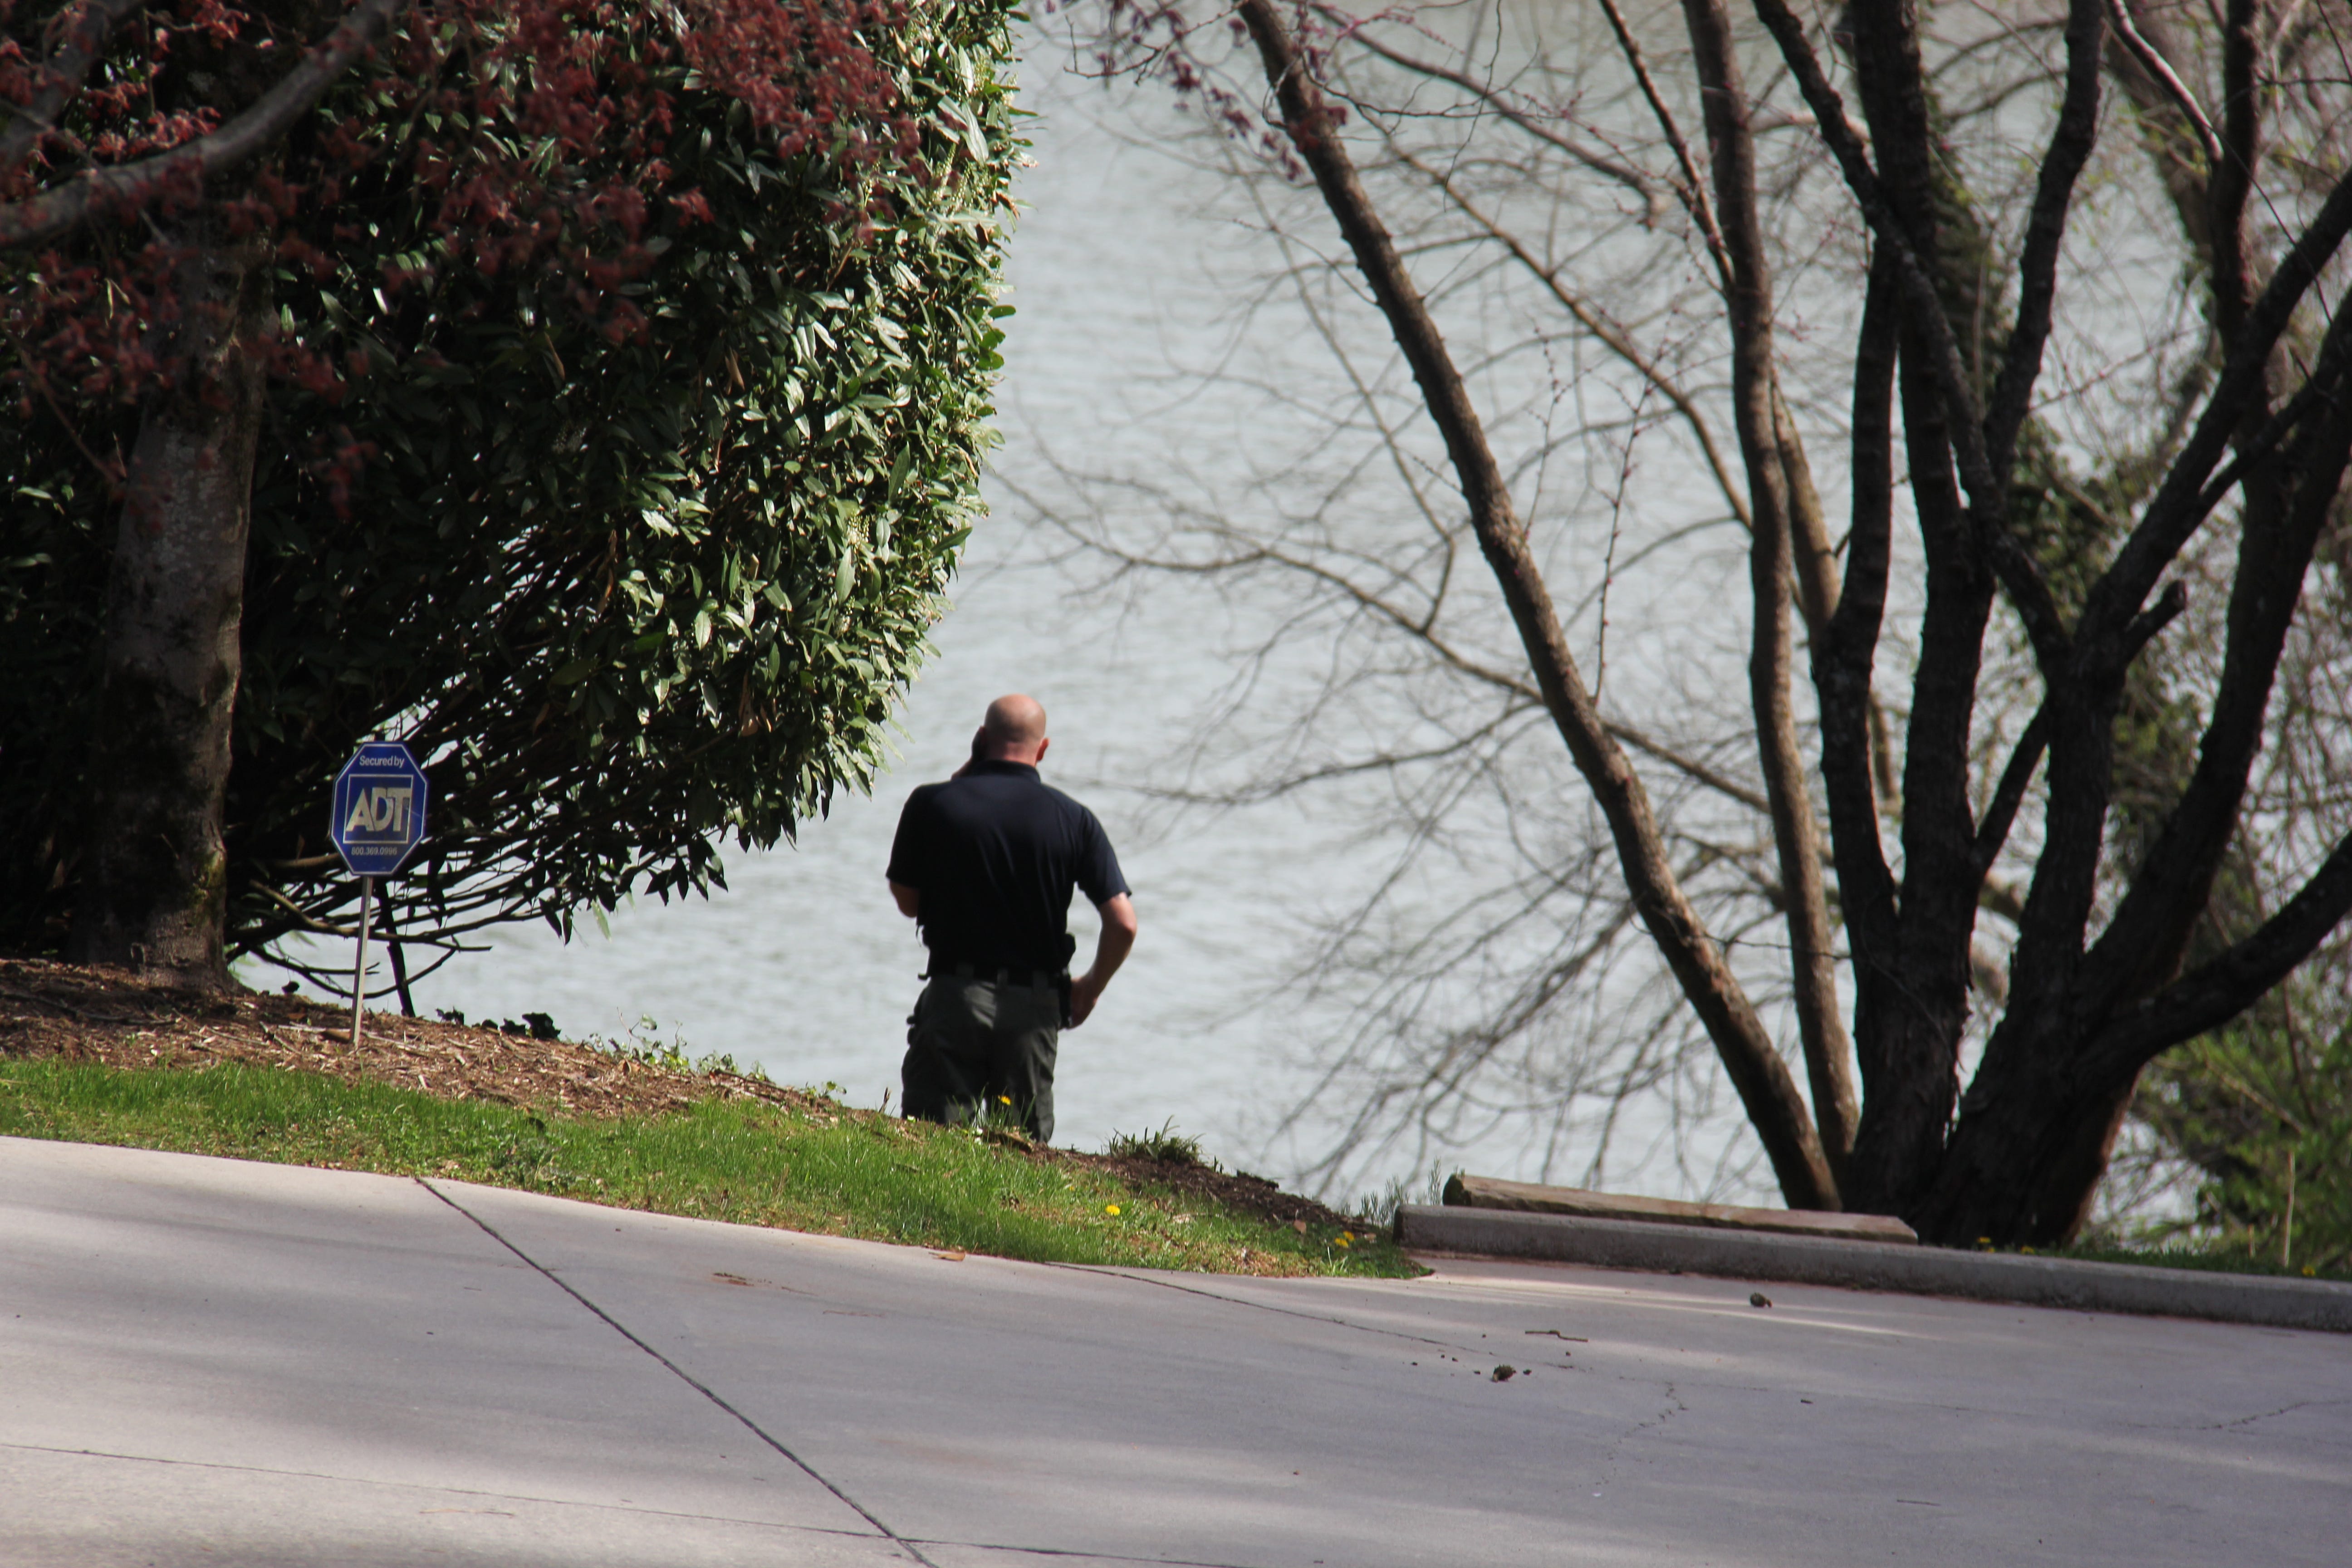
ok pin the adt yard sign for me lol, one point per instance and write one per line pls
(379, 809)
(379, 820)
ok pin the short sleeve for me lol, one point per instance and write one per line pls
(911, 850)
(1098, 875)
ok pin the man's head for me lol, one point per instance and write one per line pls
(1013, 731)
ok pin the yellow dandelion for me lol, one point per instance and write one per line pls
(1345, 1239)
(1004, 1100)
(1110, 1208)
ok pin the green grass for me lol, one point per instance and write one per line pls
(839, 1172)
(1163, 1142)
(2208, 1259)
(2215, 1260)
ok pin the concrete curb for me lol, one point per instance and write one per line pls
(1877, 1266)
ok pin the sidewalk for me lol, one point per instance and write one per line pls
(211, 1362)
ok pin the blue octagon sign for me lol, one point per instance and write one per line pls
(379, 809)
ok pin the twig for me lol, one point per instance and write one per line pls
(1633, 179)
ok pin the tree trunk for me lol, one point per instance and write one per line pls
(1911, 974)
(155, 878)
(2026, 1156)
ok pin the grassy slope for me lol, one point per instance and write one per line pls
(835, 1170)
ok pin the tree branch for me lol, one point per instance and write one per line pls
(2163, 133)
(126, 187)
(2001, 811)
(1633, 179)
(1611, 337)
(1693, 769)
(2070, 148)
(1844, 659)
(1771, 555)
(2154, 619)
(2180, 504)
(2152, 924)
(1808, 528)
(2159, 69)
(1693, 188)
(1418, 627)
(1987, 486)
(68, 63)
(2216, 991)
(2232, 177)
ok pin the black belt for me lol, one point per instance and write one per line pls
(1042, 979)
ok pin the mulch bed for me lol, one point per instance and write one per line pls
(117, 1017)
(113, 1016)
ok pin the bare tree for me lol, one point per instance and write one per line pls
(2080, 452)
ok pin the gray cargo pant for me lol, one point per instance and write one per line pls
(980, 1047)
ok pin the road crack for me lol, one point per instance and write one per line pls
(704, 1389)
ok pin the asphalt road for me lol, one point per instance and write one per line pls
(203, 1360)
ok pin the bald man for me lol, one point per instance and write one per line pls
(985, 864)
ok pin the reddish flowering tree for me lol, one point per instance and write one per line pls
(163, 164)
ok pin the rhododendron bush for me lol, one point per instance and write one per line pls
(590, 394)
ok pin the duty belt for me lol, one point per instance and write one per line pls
(1040, 979)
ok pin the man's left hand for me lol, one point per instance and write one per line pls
(1119, 927)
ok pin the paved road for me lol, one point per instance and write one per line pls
(203, 1360)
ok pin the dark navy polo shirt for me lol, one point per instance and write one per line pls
(995, 855)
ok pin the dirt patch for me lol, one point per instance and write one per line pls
(70, 1012)
(1235, 1190)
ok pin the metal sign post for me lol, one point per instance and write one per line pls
(378, 822)
(358, 965)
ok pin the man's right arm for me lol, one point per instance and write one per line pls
(911, 899)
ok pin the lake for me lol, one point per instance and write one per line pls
(803, 965)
